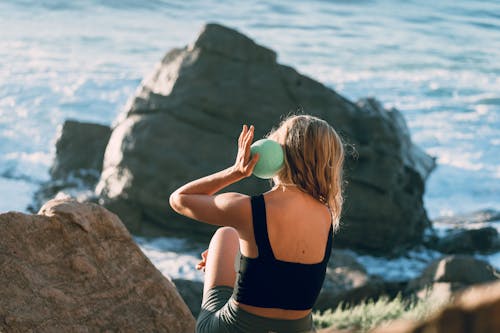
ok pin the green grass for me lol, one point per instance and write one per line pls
(370, 314)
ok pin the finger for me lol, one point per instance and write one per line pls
(249, 137)
(200, 265)
(251, 132)
(242, 134)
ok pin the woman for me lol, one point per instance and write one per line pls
(282, 237)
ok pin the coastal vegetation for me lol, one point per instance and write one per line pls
(373, 313)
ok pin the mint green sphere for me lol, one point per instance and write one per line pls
(271, 158)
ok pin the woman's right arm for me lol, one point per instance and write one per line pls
(197, 199)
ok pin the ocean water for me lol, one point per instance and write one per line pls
(438, 62)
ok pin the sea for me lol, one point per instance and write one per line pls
(438, 62)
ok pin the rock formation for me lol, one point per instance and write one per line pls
(466, 233)
(79, 146)
(75, 268)
(185, 118)
(476, 310)
(77, 165)
(484, 240)
(450, 274)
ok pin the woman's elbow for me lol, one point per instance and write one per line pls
(175, 202)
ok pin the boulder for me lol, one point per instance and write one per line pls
(75, 268)
(79, 146)
(475, 310)
(185, 118)
(450, 274)
(77, 164)
(483, 240)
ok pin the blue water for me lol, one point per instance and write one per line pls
(436, 61)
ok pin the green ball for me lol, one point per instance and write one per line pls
(271, 158)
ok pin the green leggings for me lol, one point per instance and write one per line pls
(219, 314)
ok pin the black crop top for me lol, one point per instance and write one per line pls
(271, 283)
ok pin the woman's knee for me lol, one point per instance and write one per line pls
(225, 235)
(224, 242)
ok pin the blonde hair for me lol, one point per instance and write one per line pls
(314, 158)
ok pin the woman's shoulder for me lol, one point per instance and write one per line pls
(295, 205)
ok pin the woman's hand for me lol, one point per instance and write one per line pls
(198, 199)
(201, 265)
(245, 163)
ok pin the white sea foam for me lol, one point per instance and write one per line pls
(399, 269)
(174, 257)
(29, 166)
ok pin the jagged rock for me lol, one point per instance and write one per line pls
(483, 240)
(75, 268)
(450, 274)
(475, 310)
(185, 118)
(77, 164)
(79, 146)
(465, 233)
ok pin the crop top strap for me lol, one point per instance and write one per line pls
(260, 227)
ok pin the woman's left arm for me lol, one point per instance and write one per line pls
(198, 199)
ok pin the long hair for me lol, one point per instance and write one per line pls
(314, 158)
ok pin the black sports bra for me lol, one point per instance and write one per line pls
(271, 283)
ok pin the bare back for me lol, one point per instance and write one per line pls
(298, 227)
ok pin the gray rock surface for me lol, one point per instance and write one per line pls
(79, 146)
(474, 310)
(75, 268)
(452, 273)
(186, 116)
(77, 163)
(482, 240)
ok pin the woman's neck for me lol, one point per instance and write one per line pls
(287, 186)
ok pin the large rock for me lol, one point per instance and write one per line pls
(466, 233)
(79, 146)
(476, 310)
(447, 275)
(75, 268)
(77, 162)
(483, 240)
(185, 118)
